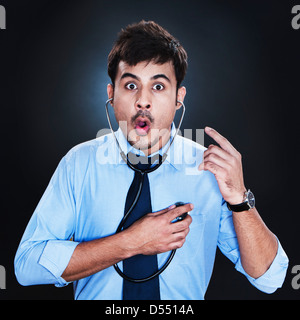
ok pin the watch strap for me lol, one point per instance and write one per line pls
(239, 207)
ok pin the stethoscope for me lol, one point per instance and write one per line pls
(142, 173)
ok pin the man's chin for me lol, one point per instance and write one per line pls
(143, 142)
(149, 141)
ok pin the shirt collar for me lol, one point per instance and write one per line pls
(172, 156)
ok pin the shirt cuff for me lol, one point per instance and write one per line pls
(55, 258)
(274, 277)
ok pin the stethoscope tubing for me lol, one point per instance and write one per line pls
(142, 174)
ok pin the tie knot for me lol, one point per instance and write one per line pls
(141, 162)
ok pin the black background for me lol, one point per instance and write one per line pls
(243, 80)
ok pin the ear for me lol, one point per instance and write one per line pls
(110, 92)
(180, 96)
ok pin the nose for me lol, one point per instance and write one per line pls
(143, 101)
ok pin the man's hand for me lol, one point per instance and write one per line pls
(257, 244)
(225, 162)
(155, 233)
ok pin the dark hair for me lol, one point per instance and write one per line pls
(147, 41)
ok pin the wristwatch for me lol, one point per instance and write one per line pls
(247, 204)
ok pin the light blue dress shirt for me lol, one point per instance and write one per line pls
(85, 200)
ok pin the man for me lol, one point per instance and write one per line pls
(71, 235)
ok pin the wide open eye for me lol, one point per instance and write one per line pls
(158, 87)
(131, 86)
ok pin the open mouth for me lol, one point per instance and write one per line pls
(142, 126)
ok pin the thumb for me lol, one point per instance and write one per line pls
(201, 166)
(163, 210)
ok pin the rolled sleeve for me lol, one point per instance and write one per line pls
(45, 248)
(274, 277)
(55, 258)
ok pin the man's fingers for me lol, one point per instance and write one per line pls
(179, 239)
(160, 234)
(182, 227)
(201, 166)
(163, 211)
(213, 168)
(215, 157)
(213, 149)
(222, 141)
(177, 211)
(218, 159)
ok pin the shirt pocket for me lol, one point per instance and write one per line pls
(194, 240)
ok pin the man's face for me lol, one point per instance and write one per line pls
(145, 101)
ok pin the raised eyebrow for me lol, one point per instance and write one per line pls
(157, 76)
(130, 75)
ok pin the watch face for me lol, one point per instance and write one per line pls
(251, 199)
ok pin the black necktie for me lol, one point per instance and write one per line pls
(140, 266)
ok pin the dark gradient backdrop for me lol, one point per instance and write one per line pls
(243, 80)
